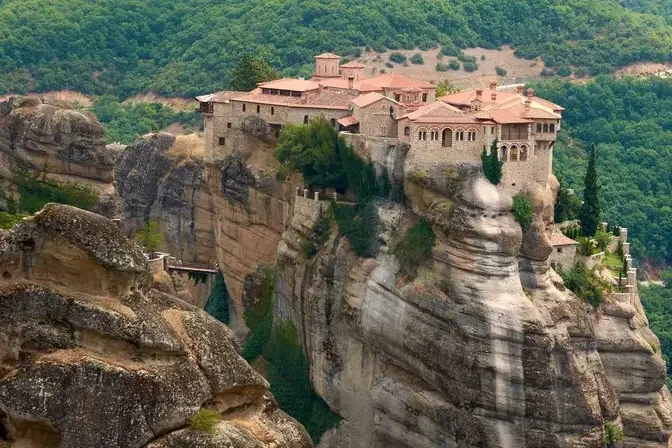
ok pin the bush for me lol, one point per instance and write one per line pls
(564, 71)
(319, 234)
(482, 57)
(8, 220)
(441, 67)
(397, 57)
(583, 283)
(204, 420)
(501, 71)
(150, 238)
(602, 240)
(587, 246)
(450, 50)
(415, 247)
(417, 59)
(218, 302)
(388, 65)
(612, 434)
(359, 224)
(454, 64)
(522, 210)
(470, 66)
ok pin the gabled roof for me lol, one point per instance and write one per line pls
(558, 239)
(368, 99)
(219, 97)
(327, 99)
(501, 116)
(347, 121)
(361, 85)
(396, 81)
(353, 64)
(296, 85)
(438, 109)
(327, 56)
(466, 97)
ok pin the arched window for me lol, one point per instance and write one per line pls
(447, 138)
(514, 154)
(305, 119)
(503, 153)
(523, 153)
(244, 107)
(391, 111)
(407, 131)
(422, 135)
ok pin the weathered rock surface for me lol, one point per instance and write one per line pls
(49, 138)
(485, 348)
(91, 356)
(162, 177)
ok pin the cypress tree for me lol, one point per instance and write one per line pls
(492, 166)
(589, 214)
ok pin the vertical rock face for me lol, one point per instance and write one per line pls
(252, 209)
(162, 177)
(92, 356)
(58, 142)
(485, 348)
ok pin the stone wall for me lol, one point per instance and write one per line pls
(375, 120)
(563, 257)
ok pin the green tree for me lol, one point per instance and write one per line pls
(445, 87)
(566, 205)
(589, 214)
(522, 210)
(666, 277)
(492, 166)
(150, 238)
(249, 71)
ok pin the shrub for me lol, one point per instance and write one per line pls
(397, 57)
(612, 434)
(482, 57)
(319, 234)
(445, 87)
(359, 224)
(8, 220)
(217, 304)
(417, 59)
(450, 49)
(470, 66)
(587, 246)
(150, 238)
(564, 71)
(389, 65)
(415, 247)
(501, 71)
(204, 420)
(522, 210)
(465, 58)
(454, 64)
(666, 277)
(583, 283)
(602, 240)
(441, 67)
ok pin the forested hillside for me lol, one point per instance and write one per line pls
(630, 121)
(185, 47)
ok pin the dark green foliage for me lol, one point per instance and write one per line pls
(470, 66)
(666, 277)
(36, 193)
(125, 122)
(249, 71)
(312, 149)
(522, 210)
(612, 434)
(587, 246)
(602, 240)
(397, 57)
(589, 213)
(198, 277)
(566, 205)
(288, 371)
(417, 59)
(630, 121)
(564, 71)
(583, 283)
(492, 166)
(218, 302)
(359, 224)
(454, 64)
(501, 71)
(415, 247)
(319, 234)
(657, 302)
(8, 220)
(441, 67)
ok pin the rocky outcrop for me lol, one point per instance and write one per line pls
(162, 177)
(48, 138)
(91, 356)
(485, 348)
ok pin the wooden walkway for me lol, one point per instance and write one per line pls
(193, 267)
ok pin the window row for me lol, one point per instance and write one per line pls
(513, 153)
(258, 109)
(546, 128)
(446, 136)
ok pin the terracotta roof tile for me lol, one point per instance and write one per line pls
(353, 64)
(347, 121)
(328, 99)
(437, 109)
(396, 81)
(296, 85)
(368, 98)
(501, 116)
(558, 239)
(327, 56)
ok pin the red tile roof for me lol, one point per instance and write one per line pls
(347, 121)
(396, 81)
(368, 98)
(558, 239)
(328, 99)
(296, 85)
(219, 97)
(501, 116)
(353, 64)
(327, 56)
(437, 109)
(361, 85)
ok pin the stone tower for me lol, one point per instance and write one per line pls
(353, 70)
(326, 65)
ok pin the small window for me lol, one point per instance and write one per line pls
(492, 130)
(424, 97)
(305, 119)
(228, 125)
(333, 122)
(272, 110)
(407, 131)
(391, 111)
(545, 127)
(559, 249)
(222, 141)
(258, 108)
(552, 128)
(397, 97)
(244, 107)
(538, 127)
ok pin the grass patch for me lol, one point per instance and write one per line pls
(204, 420)
(415, 247)
(8, 220)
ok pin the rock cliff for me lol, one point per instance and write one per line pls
(93, 356)
(162, 177)
(65, 145)
(485, 347)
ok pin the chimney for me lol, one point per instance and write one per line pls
(519, 90)
(530, 93)
(493, 84)
(493, 95)
(479, 94)
(320, 87)
(527, 106)
(351, 82)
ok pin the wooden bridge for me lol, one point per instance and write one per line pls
(192, 267)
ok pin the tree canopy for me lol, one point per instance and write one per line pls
(188, 47)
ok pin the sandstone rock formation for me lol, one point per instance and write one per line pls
(485, 348)
(162, 177)
(91, 356)
(49, 138)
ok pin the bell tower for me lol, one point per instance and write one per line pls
(326, 66)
